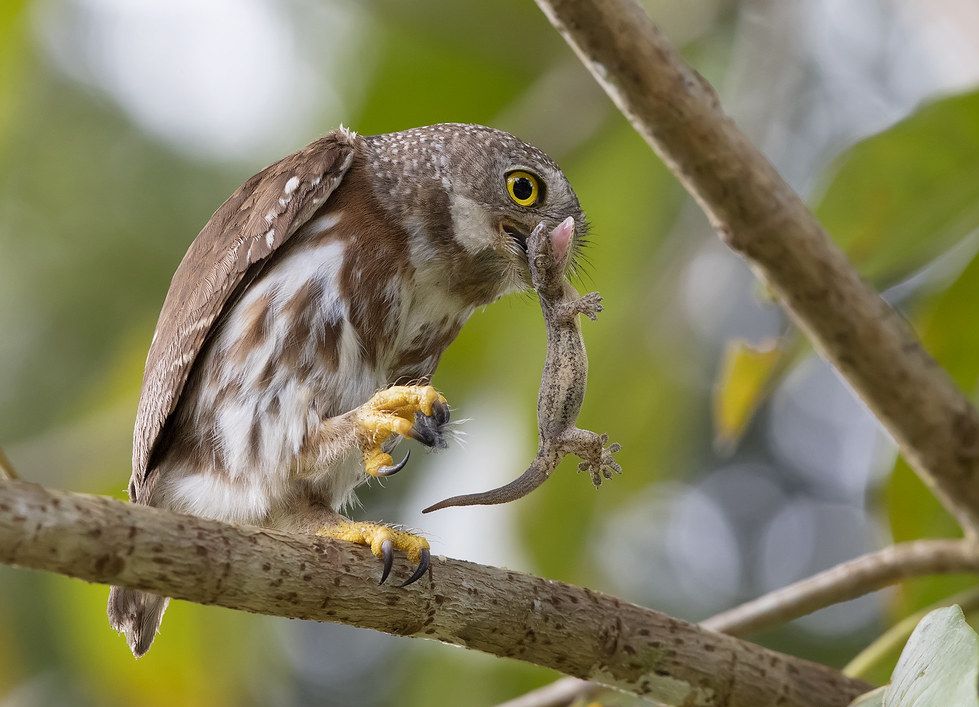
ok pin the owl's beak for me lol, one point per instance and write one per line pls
(516, 234)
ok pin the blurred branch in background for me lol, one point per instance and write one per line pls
(759, 215)
(7, 470)
(846, 581)
(509, 614)
(559, 693)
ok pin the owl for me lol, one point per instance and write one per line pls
(299, 337)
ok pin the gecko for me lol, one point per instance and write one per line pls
(563, 380)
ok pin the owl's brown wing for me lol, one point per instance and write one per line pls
(257, 219)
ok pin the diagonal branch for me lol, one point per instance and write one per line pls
(759, 216)
(846, 581)
(570, 629)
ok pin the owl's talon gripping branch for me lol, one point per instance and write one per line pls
(383, 540)
(416, 411)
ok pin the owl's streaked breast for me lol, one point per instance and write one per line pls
(313, 336)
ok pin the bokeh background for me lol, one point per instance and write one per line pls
(748, 463)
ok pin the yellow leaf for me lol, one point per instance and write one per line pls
(747, 371)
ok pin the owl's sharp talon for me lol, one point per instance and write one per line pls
(394, 468)
(422, 568)
(440, 411)
(427, 429)
(387, 551)
(424, 431)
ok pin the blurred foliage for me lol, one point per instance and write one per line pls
(894, 203)
(95, 213)
(901, 198)
(946, 326)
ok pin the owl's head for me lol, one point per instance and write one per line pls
(482, 189)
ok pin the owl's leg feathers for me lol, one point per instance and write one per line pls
(383, 540)
(416, 411)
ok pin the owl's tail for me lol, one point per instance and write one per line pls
(136, 614)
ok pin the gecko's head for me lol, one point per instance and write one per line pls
(550, 251)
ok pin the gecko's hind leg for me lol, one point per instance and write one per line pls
(595, 452)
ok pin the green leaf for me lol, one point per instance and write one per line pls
(939, 666)
(947, 329)
(904, 196)
(876, 662)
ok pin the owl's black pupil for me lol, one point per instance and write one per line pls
(522, 188)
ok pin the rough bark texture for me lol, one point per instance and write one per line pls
(846, 581)
(571, 629)
(758, 215)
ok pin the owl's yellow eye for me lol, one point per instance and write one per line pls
(523, 188)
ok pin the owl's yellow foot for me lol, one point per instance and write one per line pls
(416, 411)
(383, 540)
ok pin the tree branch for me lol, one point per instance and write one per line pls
(757, 214)
(843, 582)
(570, 629)
(846, 581)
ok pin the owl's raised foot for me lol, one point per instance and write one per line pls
(383, 540)
(416, 411)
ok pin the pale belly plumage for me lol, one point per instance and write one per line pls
(291, 353)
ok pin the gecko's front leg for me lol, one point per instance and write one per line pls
(594, 451)
(589, 305)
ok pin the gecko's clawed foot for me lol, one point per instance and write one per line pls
(416, 411)
(598, 460)
(589, 305)
(384, 541)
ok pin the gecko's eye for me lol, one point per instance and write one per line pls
(523, 188)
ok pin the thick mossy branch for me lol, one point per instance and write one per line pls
(758, 215)
(570, 629)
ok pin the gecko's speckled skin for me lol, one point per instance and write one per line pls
(563, 381)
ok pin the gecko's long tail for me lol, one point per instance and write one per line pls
(137, 615)
(535, 475)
